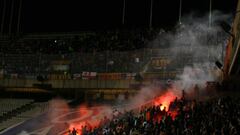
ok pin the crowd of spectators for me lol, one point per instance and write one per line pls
(86, 42)
(108, 61)
(214, 117)
(102, 51)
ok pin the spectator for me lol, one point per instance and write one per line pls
(74, 131)
(221, 116)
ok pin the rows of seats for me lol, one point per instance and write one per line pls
(31, 54)
(11, 107)
(111, 61)
(25, 64)
(120, 40)
(27, 112)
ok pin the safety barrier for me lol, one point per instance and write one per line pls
(21, 83)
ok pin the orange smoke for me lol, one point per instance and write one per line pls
(90, 118)
(165, 100)
(77, 126)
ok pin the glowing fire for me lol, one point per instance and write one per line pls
(78, 127)
(165, 100)
(162, 107)
(96, 117)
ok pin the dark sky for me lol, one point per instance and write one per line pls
(78, 15)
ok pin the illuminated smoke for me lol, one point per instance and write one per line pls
(193, 48)
(164, 100)
(203, 45)
(189, 38)
(23, 133)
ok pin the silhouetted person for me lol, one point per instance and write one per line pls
(69, 132)
(183, 95)
(126, 95)
(74, 132)
(102, 96)
(196, 90)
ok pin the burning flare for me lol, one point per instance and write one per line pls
(165, 100)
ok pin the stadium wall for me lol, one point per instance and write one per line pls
(58, 84)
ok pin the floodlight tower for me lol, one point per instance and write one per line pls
(180, 12)
(151, 13)
(209, 25)
(123, 12)
(210, 13)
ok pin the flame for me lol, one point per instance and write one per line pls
(78, 127)
(162, 107)
(96, 115)
(164, 100)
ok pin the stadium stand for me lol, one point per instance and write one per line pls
(11, 107)
(14, 111)
(216, 116)
(116, 51)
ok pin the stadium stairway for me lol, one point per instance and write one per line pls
(11, 108)
(21, 114)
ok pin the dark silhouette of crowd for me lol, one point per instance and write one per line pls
(214, 117)
(86, 41)
(96, 51)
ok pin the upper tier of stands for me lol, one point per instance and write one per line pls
(122, 51)
(110, 51)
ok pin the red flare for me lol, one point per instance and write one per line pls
(165, 100)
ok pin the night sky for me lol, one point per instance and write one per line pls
(81, 15)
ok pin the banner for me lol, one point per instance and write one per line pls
(116, 76)
(89, 75)
(109, 76)
(130, 76)
(77, 76)
(60, 65)
(161, 75)
(159, 62)
(59, 77)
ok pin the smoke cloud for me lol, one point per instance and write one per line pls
(193, 46)
(23, 133)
